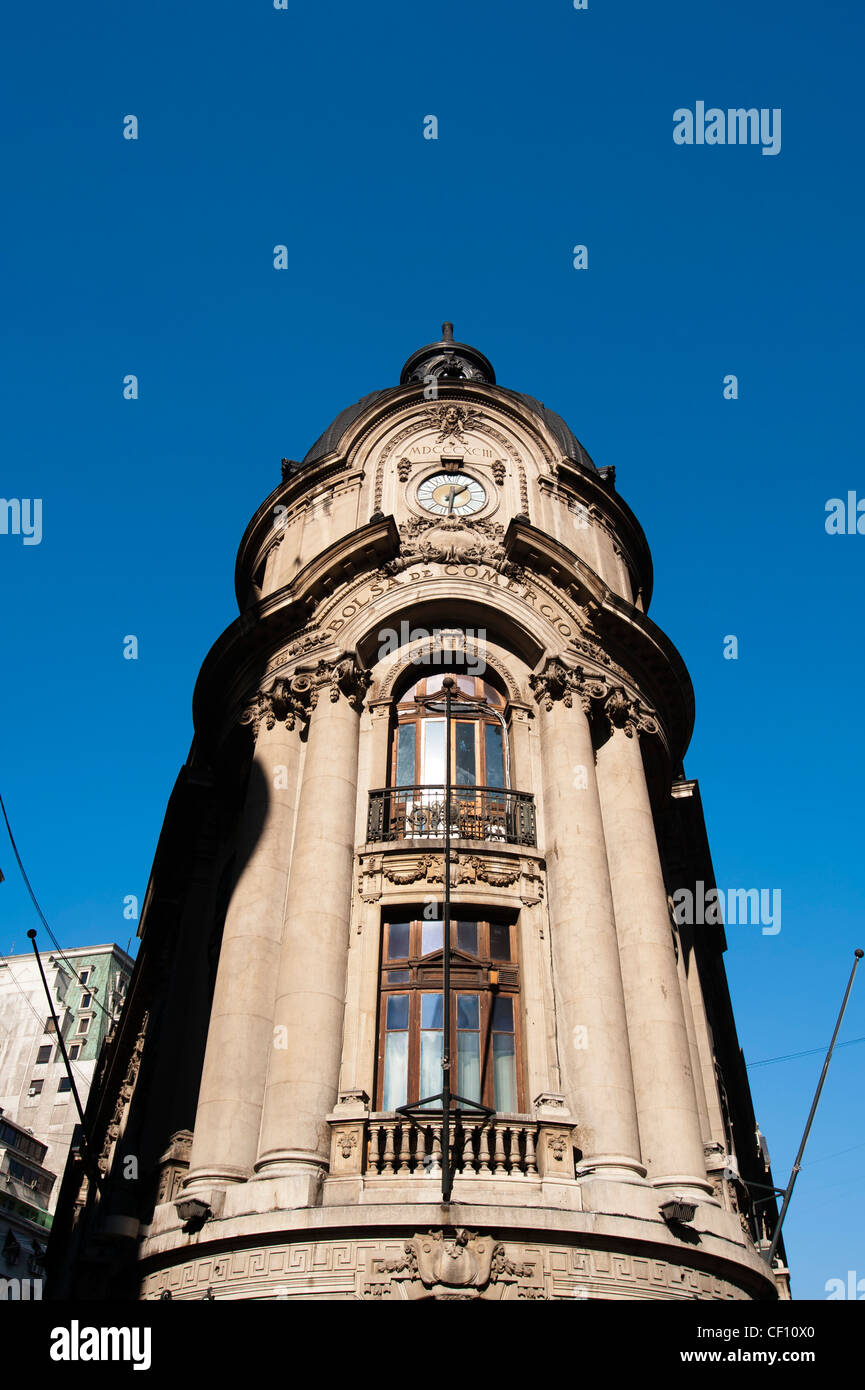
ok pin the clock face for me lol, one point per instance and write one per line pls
(451, 494)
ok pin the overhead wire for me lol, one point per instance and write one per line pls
(44, 919)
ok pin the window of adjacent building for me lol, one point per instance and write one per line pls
(44, 1053)
(64, 1084)
(49, 1026)
(85, 1001)
(485, 1035)
(74, 1051)
(35, 1088)
(83, 1025)
(84, 976)
(478, 735)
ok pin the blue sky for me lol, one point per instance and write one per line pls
(304, 127)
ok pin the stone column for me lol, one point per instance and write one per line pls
(303, 1076)
(667, 1109)
(590, 1008)
(241, 1019)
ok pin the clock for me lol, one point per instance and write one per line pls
(451, 494)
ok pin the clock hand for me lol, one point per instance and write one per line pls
(451, 495)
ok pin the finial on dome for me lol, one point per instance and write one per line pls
(447, 361)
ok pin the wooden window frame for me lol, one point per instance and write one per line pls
(469, 975)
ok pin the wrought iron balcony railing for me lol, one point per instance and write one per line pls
(476, 813)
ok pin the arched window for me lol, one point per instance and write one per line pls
(479, 742)
(485, 1041)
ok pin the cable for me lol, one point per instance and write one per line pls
(44, 919)
(791, 1056)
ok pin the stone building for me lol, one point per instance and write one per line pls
(248, 1125)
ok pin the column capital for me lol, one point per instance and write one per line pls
(561, 682)
(293, 698)
(597, 694)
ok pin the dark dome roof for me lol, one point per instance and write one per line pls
(448, 361)
(327, 442)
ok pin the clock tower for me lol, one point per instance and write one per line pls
(413, 1016)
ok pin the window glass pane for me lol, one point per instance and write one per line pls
(397, 1011)
(64, 1084)
(503, 1014)
(504, 1073)
(495, 755)
(44, 1053)
(431, 1011)
(465, 754)
(467, 937)
(433, 737)
(500, 941)
(405, 755)
(395, 1071)
(431, 937)
(491, 695)
(398, 977)
(430, 1058)
(469, 1065)
(397, 940)
(467, 1011)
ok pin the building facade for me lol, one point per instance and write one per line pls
(248, 1137)
(88, 986)
(26, 1191)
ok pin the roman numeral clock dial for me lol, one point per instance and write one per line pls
(451, 494)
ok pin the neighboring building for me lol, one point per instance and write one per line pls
(34, 1086)
(26, 1190)
(288, 997)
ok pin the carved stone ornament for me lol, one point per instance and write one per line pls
(460, 1266)
(452, 540)
(173, 1166)
(376, 871)
(123, 1097)
(451, 421)
(560, 682)
(403, 469)
(295, 697)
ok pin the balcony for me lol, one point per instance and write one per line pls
(476, 813)
(502, 1147)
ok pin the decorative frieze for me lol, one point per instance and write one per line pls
(377, 872)
(388, 1268)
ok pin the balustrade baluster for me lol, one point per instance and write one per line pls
(500, 1155)
(373, 1159)
(403, 1148)
(531, 1158)
(387, 1166)
(484, 1148)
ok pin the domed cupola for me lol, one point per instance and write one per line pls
(448, 361)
